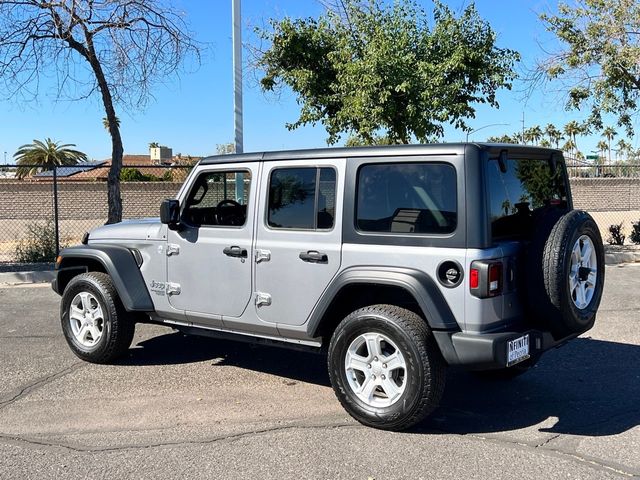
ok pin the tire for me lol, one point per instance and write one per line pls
(106, 331)
(558, 275)
(419, 375)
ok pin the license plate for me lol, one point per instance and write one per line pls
(517, 350)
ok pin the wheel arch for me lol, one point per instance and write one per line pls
(116, 261)
(360, 286)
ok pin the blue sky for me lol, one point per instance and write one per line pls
(194, 113)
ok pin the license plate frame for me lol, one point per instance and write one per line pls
(518, 350)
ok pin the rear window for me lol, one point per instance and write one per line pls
(516, 194)
(409, 198)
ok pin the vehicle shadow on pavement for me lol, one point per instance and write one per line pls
(590, 386)
(176, 348)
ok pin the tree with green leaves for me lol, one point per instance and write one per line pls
(624, 148)
(572, 130)
(598, 60)
(105, 123)
(374, 69)
(38, 156)
(533, 134)
(117, 50)
(602, 147)
(609, 133)
(553, 134)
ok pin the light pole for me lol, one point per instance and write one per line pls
(237, 74)
(483, 127)
(237, 91)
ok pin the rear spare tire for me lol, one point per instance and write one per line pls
(572, 274)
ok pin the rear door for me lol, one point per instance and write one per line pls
(299, 237)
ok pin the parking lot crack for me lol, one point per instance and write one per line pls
(205, 441)
(593, 462)
(34, 385)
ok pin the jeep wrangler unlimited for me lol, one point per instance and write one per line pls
(398, 261)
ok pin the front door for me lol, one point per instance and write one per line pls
(210, 258)
(298, 245)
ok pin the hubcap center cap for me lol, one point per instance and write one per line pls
(583, 273)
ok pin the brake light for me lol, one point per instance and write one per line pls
(474, 278)
(486, 278)
(495, 279)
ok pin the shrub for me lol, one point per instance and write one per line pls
(39, 245)
(616, 236)
(134, 175)
(635, 233)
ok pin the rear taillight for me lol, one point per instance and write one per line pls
(474, 278)
(495, 279)
(486, 278)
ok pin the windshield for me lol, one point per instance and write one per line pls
(519, 191)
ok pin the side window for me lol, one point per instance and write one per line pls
(213, 199)
(302, 198)
(407, 198)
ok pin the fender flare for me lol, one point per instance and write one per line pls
(118, 262)
(421, 286)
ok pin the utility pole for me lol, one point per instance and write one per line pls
(523, 129)
(237, 74)
(237, 90)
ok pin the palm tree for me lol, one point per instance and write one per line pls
(609, 133)
(623, 147)
(105, 123)
(533, 134)
(572, 129)
(602, 147)
(38, 156)
(553, 134)
(154, 145)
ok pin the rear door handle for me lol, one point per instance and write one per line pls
(312, 256)
(235, 251)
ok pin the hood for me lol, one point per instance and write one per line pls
(140, 229)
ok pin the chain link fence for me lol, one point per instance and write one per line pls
(42, 212)
(611, 194)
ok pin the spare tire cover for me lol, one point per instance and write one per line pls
(566, 272)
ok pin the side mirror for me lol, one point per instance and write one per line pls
(170, 213)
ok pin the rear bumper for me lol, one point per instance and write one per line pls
(489, 350)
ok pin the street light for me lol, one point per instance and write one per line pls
(485, 126)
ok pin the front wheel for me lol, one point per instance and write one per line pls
(385, 367)
(95, 324)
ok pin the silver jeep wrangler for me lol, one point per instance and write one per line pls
(397, 261)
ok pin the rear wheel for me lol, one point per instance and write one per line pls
(95, 324)
(385, 367)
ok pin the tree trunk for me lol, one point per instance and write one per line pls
(113, 180)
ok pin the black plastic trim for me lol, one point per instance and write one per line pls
(121, 266)
(489, 350)
(420, 285)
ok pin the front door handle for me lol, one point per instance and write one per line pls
(235, 251)
(313, 256)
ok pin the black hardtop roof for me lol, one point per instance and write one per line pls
(374, 151)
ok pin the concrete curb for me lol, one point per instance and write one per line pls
(621, 257)
(27, 277)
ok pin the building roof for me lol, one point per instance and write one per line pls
(67, 171)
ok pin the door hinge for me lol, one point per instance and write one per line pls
(263, 299)
(173, 288)
(173, 249)
(263, 255)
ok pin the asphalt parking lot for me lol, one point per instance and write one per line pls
(190, 407)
